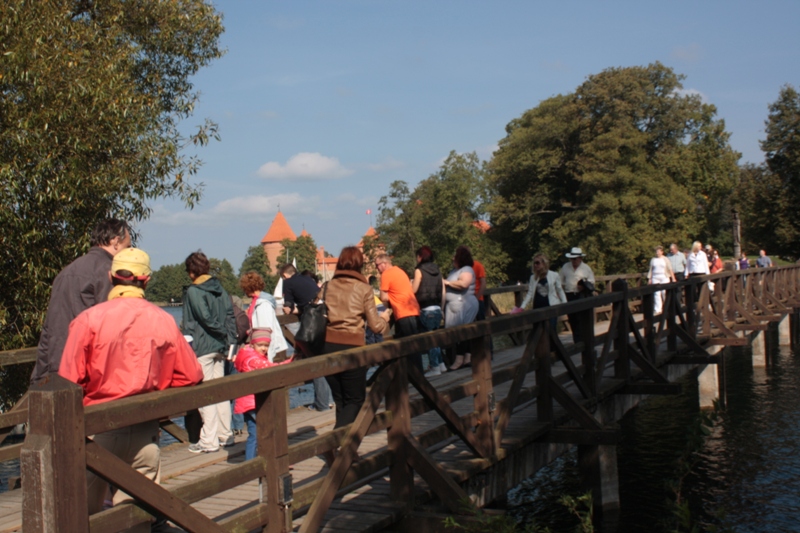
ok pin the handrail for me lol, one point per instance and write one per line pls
(634, 347)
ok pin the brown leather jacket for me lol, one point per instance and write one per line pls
(350, 303)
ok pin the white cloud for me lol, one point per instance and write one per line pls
(305, 166)
(253, 208)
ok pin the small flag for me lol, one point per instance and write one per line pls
(369, 211)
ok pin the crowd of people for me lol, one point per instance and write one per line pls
(102, 334)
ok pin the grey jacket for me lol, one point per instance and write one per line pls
(82, 284)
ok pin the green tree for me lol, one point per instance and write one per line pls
(442, 212)
(773, 212)
(256, 260)
(168, 283)
(304, 250)
(92, 95)
(763, 204)
(223, 271)
(621, 165)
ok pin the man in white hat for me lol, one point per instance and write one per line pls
(573, 275)
(120, 348)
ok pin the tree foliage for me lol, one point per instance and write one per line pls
(256, 260)
(442, 212)
(769, 194)
(304, 250)
(168, 283)
(624, 163)
(91, 98)
(223, 271)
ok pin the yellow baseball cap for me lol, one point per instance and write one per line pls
(134, 260)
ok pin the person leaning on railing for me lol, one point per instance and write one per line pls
(350, 303)
(120, 348)
(544, 287)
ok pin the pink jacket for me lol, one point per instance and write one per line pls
(248, 360)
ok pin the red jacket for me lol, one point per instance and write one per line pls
(127, 346)
(248, 360)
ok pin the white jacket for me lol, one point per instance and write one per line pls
(555, 292)
(264, 317)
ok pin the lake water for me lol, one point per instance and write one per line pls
(745, 475)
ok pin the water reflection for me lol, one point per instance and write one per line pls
(744, 477)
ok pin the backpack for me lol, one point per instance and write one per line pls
(242, 324)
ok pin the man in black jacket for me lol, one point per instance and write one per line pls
(298, 292)
(82, 284)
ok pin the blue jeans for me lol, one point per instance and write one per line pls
(322, 394)
(430, 321)
(250, 445)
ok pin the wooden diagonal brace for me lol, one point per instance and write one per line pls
(577, 378)
(445, 487)
(575, 409)
(341, 464)
(451, 418)
(116, 471)
(516, 384)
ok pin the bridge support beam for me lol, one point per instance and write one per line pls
(784, 331)
(598, 469)
(759, 348)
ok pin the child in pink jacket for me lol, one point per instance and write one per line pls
(253, 356)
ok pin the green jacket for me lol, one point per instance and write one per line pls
(208, 318)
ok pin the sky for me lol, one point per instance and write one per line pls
(322, 105)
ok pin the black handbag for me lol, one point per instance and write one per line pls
(313, 323)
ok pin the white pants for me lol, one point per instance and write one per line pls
(217, 417)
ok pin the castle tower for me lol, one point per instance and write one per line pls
(271, 242)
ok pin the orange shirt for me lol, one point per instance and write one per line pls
(480, 277)
(396, 284)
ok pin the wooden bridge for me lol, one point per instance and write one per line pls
(414, 454)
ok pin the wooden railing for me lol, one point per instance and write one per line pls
(58, 448)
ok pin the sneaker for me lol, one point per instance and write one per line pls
(198, 448)
(331, 405)
(442, 368)
(434, 372)
(227, 443)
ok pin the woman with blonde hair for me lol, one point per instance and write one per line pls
(544, 287)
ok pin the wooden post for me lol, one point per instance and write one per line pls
(484, 398)
(273, 446)
(598, 471)
(689, 299)
(588, 356)
(544, 400)
(648, 304)
(674, 298)
(53, 459)
(622, 367)
(400, 474)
